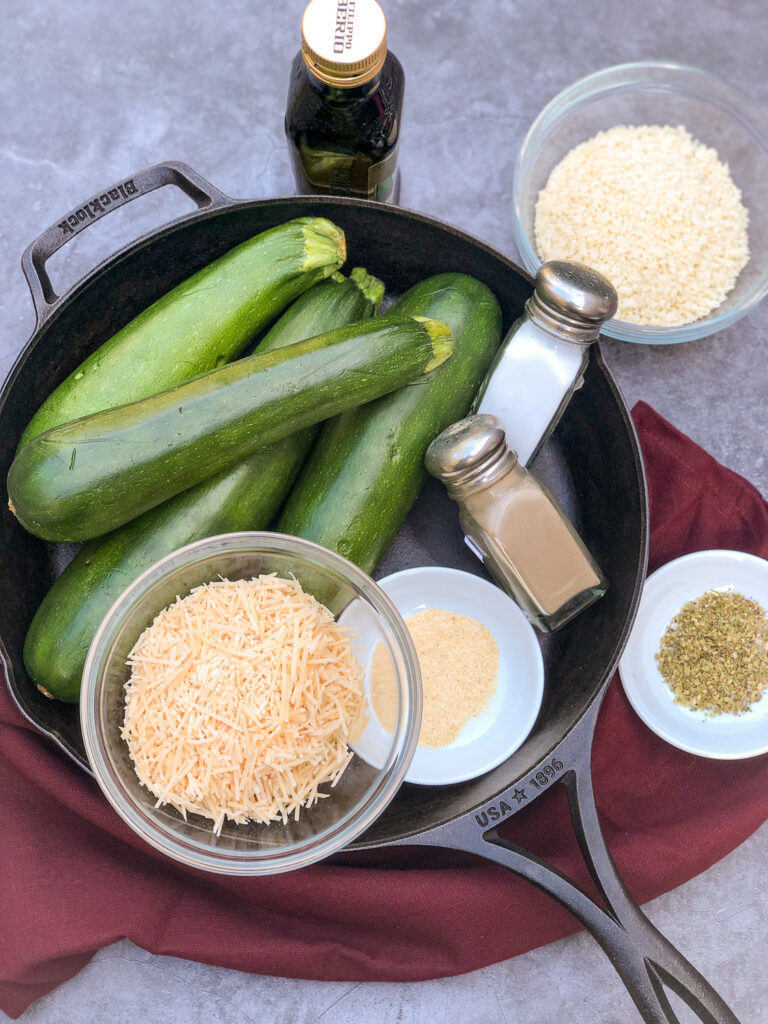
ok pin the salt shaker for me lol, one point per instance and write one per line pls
(542, 360)
(514, 524)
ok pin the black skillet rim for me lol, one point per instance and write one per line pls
(399, 213)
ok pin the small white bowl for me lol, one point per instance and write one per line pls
(495, 735)
(726, 737)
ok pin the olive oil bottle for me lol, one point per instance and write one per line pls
(345, 103)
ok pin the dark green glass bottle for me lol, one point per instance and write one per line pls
(345, 103)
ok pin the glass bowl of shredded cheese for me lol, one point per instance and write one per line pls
(655, 174)
(223, 695)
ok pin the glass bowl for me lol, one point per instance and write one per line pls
(362, 792)
(713, 111)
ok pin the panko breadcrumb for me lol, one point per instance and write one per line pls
(656, 212)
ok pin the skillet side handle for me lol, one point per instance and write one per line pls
(645, 960)
(172, 172)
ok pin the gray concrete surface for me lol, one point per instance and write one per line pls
(92, 91)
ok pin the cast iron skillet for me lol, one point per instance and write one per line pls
(593, 464)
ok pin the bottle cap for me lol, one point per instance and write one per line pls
(470, 455)
(344, 42)
(571, 300)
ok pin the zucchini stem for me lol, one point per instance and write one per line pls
(326, 246)
(372, 287)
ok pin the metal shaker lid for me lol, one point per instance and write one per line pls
(572, 300)
(470, 454)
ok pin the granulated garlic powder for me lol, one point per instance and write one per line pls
(459, 662)
(654, 210)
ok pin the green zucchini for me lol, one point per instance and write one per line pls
(202, 323)
(366, 470)
(87, 477)
(245, 497)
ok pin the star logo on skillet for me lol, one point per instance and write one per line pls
(519, 795)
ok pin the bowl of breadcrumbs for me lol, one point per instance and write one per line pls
(657, 176)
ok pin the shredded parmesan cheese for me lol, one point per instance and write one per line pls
(240, 701)
(654, 210)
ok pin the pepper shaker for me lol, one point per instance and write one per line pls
(514, 524)
(542, 360)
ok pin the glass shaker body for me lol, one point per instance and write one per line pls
(514, 524)
(520, 532)
(343, 141)
(542, 360)
(530, 383)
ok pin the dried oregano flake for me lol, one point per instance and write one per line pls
(714, 653)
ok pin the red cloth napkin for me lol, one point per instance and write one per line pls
(73, 878)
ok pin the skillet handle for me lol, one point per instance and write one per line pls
(172, 172)
(645, 960)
